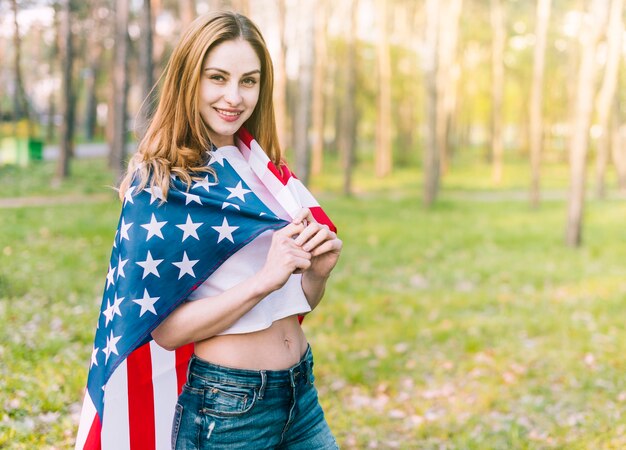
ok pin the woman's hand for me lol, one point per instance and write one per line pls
(320, 242)
(285, 257)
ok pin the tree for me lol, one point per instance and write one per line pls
(305, 87)
(383, 153)
(347, 131)
(447, 75)
(186, 12)
(607, 93)
(583, 108)
(94, 64)
(67, 95)
(431, 162)
(120, 88)
(319, 84)
(146, 67)
(497, 87)
(280, 79)
(20, 103)
(535, 126)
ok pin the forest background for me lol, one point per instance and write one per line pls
(465, 149)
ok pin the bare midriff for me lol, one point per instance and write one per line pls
(276, 348)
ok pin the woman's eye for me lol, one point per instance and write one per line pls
(217, 77)
(248, 81)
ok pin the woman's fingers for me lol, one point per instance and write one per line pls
(328, 246)
(304, 216)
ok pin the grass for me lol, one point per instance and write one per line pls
(468, 326)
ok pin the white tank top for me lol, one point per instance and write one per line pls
(284, 302)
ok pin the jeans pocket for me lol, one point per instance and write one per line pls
(178, 415)
(228, 400)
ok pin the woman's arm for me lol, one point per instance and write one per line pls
(206, 317)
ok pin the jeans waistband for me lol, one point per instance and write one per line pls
(200, 371)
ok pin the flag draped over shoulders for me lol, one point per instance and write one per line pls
(163, 249)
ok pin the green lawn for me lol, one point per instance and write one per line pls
(468, 326)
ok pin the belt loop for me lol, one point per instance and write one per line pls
(189, 369)
(263, 383)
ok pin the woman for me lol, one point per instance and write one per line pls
(249, 382)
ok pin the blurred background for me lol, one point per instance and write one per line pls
(472, 153)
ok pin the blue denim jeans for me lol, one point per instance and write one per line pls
(224, 408)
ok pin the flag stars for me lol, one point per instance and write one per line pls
(191, 198)
(186, 266)
(146, 303)
(113, 309)
(238, 191)
(94, 356)
(216, 157)
(225, 231)
(227, 204)
(128, 196)
(154, 228)
(189, 228)
(120, 267)
(150, 266)
(205, 183)
(110, 275)
(124, 227)
(111, 346)
(155, 194)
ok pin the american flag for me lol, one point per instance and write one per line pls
(163, 249)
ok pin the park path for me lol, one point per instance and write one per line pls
(72, 199)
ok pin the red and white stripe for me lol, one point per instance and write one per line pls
(139, 402)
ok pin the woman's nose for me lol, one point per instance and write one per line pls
(232, 94)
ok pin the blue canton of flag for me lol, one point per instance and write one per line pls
(162, 252)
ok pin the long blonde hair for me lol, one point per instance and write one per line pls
(177, 140)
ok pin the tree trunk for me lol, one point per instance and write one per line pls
(536, 99)
(305, 90)
(447, 76)
(347, 132)
(94, 57)
(497, 88)
(583, 109)
(186, 11)
(618, 150)
(431, 163)
(67, 97)
(280, 79)
(120, 88)
(20, 103)
(607, 93)
(319, 87)
(383, 152)
(146, 69)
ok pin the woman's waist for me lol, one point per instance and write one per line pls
(204, 374)
(278, 347)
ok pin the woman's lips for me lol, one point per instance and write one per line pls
(228, 115)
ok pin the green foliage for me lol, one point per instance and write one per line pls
(468, 326)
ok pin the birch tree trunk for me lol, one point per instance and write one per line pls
(607, 93)
(305, 90)
(583, 108)
(535, 127)
(319, 87)
(447, 76)
(383, 153)
(146, 68)
(120, 88)
(431, 163)
(67, 97)
(280, 79)
(618, 150)
(497, 88)
(347, 132)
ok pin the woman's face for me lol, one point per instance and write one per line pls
(229, 89)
